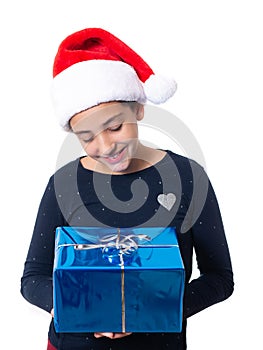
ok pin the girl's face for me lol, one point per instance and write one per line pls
(109, 135)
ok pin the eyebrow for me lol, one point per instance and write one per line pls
(104, 124)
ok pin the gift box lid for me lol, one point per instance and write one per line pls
(101, 247)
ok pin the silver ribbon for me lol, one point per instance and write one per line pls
(123, 243)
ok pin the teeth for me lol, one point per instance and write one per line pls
(115, 156)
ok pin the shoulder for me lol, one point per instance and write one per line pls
(64, 176)
(185, 165)
(68, 169)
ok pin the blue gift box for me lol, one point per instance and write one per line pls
(117, 280)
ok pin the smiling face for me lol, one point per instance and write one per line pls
(109, 135)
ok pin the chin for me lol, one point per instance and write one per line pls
(120, 168)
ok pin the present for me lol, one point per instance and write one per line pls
(117, 280)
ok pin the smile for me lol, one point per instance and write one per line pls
(115, 158)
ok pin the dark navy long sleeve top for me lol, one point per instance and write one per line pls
(174, 192)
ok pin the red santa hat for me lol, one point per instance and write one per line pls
(93, 66)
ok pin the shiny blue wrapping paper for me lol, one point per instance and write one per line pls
(99, 288)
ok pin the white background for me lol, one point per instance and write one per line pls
(214, 50)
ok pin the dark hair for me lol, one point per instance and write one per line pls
(132, 104)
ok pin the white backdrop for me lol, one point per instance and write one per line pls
(214, 50)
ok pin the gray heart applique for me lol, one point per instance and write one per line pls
(167, 200)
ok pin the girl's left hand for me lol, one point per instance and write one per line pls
(111, 335)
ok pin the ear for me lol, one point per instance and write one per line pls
(140, 112)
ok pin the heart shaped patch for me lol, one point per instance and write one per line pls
(167, 200)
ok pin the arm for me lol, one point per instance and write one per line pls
(36, 282)
(215, 283)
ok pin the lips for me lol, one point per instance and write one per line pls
(116, 157)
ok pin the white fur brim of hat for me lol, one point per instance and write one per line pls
(87, 84)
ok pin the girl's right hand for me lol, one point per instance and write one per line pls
(111, 335)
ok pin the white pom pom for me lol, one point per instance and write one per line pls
(159, 89)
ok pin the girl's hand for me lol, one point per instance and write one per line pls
(52, 312)
(111, 335)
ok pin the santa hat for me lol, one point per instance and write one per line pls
(93, 66)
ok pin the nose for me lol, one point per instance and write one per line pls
(103, 143)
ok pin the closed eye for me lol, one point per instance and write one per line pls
(111, 129)
(115, 127)
(87, 140)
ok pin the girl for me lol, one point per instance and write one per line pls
(100, 87)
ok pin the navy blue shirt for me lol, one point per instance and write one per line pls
(174, 192)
